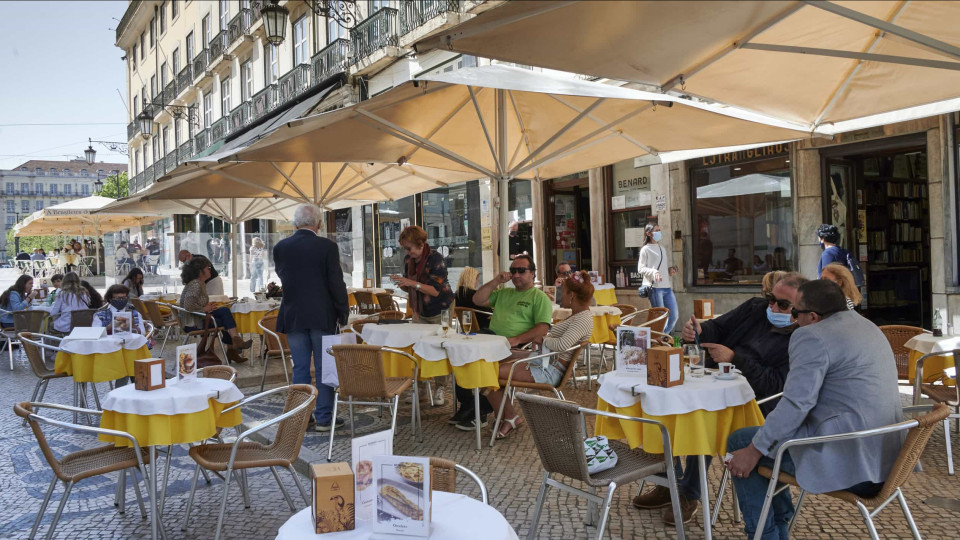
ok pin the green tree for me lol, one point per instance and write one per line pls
(111, 183)
(29, 243)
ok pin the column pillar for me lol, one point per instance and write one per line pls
(598, 222)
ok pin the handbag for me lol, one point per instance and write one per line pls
(208, 336)
(645, 290)
(328, 365)
(600, 456)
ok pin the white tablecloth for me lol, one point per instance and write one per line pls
(397, 335)
(252, 305)
(928, 343)
(41, 307)
(105, 345)
(462, 350)
(696, 393)
(455, 517)
(597, 311)
(174, 398)
(604, 286)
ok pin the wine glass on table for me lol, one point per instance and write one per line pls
(445, 321)
(467, 322)
(694, 356)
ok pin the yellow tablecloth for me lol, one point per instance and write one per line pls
(480, 374)
(932, 367)
(696, 433)
(247, 322)
(605, 297)
(163, 430)
(99, 367)
(601, 328)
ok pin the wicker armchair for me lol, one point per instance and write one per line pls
(654, 318)
(948, 395)
(627, 312)
(387, 302)
(82, 318)
(82, 464)
(189, 332)
(509, 385)
(244, 454)
(140, 307)
(559, 428)
(357, 326)
(168, 324)
(226, 373)
(443, 477)
(28, 341)
(391, 315)
(23, 321)
(366, 303)
(919, 433)
(276, 346)
(897, 335)
(33, 344)
(361, 376)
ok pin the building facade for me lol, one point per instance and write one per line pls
(37, 184)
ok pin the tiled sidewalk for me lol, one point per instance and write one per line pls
(511, 471)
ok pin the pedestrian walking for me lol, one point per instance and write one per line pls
(314, 302)
(654, 266)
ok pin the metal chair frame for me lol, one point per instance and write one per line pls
(867, 514)
(157, 319)
(955, 404)
(79, 389)
(266, 354)
(188, 334)
(9, 341)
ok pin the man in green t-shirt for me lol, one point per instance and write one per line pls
(520, 314)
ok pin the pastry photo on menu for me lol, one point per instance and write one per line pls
(364, 449)
(187, 361)
(122, 322)
(402, 486)
(633, 342)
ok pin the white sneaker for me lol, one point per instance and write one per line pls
(438, 396)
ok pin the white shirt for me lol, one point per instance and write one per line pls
(215, 287)
(655, 258)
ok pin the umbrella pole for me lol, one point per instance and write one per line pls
(96, 246)
(233, 245)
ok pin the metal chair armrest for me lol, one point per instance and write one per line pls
(769, 398)
(41, 344)
(255, 397)
(68, 408)
(408, 356)
(476, 479)
(246, 434)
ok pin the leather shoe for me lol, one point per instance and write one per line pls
(462, 414)
(687, 510)
(658, 497)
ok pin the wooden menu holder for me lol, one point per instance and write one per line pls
(148, 374)
(665, 366)
(703, 309)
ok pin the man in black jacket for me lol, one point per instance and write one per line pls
(755, 338)
(314, 301)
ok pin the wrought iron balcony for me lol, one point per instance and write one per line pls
(169, 93)
(201, 140)
(375, 32)
(170, 161)
(147, 175)
(132, 129)
(219, 44)
(219, 130)
(255, 13)
(418, 12)
(200, 62)
(264, 101)
(185, 77)
(185, 151)
(332, 59)
(240, 116)
(294, 83)
(239, 26)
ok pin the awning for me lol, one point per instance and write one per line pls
(78, 217)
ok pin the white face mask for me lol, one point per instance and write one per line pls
(657, 235)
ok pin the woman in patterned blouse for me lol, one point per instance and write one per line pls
(194, 298)
(425, 277)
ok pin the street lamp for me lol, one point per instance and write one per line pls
(274, 22)
(145, 120)
(345, 13)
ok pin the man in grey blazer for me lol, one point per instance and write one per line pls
(842, 378)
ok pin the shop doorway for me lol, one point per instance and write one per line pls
(568, 219)
(878, 196)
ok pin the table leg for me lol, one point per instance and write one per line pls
(476, 411)
(705, 498)
(152, 485)
(166, 478)
(589, 370)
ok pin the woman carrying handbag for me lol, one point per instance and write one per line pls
(654, 266)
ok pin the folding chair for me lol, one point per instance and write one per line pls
(168, 324)
(275, 344)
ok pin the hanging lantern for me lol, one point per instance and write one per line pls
(90, 154)
(274, 22)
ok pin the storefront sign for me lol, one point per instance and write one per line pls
(661, 203)
(630, 183)
(746, 155)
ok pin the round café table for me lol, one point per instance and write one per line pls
(403, 337)
(247, 313)
(699, 416)
(454, 517)
(474, 361)
(179, 413)
(605, 294)
(105, 359)
(933, 367)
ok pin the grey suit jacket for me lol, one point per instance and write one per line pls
(842, 378)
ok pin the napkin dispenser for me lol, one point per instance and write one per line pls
(703, 309)
(664, 366)
(87, 333)
(148, 374)
(332, 504)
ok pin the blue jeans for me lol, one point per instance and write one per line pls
(256, 276)
(689, 483)
(303, 343)
(664, 298)
(752, 490)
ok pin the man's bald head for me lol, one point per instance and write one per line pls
(184, 255)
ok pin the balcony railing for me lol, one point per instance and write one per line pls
(239, 26)
(375, 32)
(334, 58)
(169, 93)
(240, 116)
(147, 176)
(264, 101)
(185, 77)
(170, 161)
(185, 151)
(219, 44)
(200, 62)
(218, 130)
(132, 129)
(294, 83)
(418, 12)
(201, 141)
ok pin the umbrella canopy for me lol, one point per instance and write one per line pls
(814, 62)
(78, 217)
(504, 122)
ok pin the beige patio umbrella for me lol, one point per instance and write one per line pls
(78, 217)
(815, 63)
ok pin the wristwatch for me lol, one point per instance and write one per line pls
(418, 286)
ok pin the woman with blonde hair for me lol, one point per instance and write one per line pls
(769, 280)
(73, 296)
(841, 275)
(466, 288)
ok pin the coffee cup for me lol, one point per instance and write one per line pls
(726, 370)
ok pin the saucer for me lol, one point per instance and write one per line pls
(725, 377)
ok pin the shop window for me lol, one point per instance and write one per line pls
(451, 217)
(393, 217)
(520, 207)
(742, 218)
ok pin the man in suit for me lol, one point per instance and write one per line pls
(842, 378)
(314, 301)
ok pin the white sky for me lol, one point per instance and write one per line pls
(59, 66)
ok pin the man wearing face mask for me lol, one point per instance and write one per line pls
(755, 338)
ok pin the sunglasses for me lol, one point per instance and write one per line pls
(521, 270)
(795, 313)
(780, 302)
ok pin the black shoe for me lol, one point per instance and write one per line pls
(470, 424)
(312, 424)
(462, 414)
(339, 424)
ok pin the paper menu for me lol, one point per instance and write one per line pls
(402, 486)
(364, 449)
(632, 345)
(87, 332)
(122, 322)
(187, 362)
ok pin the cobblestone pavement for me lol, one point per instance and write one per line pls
(511, 471)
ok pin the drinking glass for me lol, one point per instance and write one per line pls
(445, 321)
(467, 322)
(694, 356)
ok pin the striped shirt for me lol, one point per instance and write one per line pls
(568, 333)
